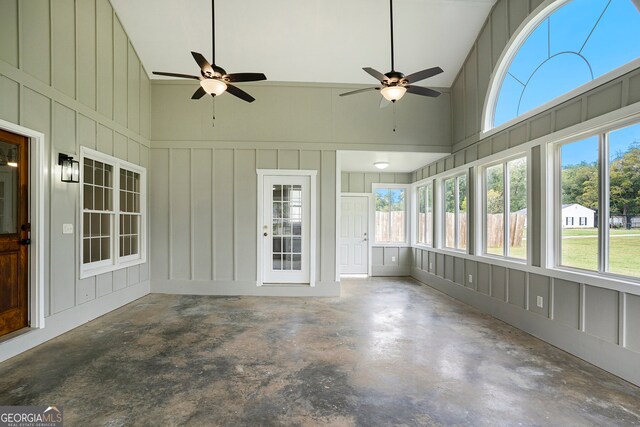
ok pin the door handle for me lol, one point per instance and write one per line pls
(25, 241)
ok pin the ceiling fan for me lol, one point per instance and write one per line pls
(394, 84)
(214, 80)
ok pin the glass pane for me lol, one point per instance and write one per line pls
(123, 179)
(277, 193)
(286, 244)
(286, 228)
(624, 201)
(422, 214)
(495, 210)
(277, 210)
(86, 251)
(277, 244)
(397, 215)
(517, 170)
(108, 199)
(86, 224)
(105, 248)
(462, 212)
(108, 176)
(95, 224)
(429, 216)
(277, 227)
(95, 249)
(296, 262)
(286, 262)
(134, 245)
(285, 210)
(99, 198)
(98, 174)
(296, 245)
(382, 215)
(88, 196)
(450, 212)
(286, 193)
(297, 228)
(105, 226)
(579, 180)
(277, 262)
(123, 201)
(88, 171)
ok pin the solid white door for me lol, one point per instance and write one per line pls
(354, 245)
(286, 229)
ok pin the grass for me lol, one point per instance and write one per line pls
(624, 251)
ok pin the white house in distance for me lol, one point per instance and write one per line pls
(574, 215)
(577, 216)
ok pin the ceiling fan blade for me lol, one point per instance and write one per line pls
(424, 74)
(384, 102)
(199, 93)
(244, 77)
(236, 91)
(376, 74)
(353, 92)
(424, 91)
(202, 62)
(182, 76)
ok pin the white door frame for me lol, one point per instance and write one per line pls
(370, 229)
(37, 170)
(312, 174)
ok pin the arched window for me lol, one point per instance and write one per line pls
(572, 43)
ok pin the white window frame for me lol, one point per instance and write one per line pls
(482, 177)
(428, 183)
(442, 202)
(115, 262)
(554, 164)
(520, 35)
(407, 213)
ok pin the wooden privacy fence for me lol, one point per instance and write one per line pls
(395, 233)
(495, 230)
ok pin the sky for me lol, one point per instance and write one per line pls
(586, 150)
(580, 41)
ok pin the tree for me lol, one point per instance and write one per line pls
(580, 184)
(624, 178)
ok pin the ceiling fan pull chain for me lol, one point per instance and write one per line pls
(213, 113)
(394, 116)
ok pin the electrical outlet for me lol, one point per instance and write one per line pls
(470, 278)
(393, 259)
(67, 228)
(540, 302)
(430, 266)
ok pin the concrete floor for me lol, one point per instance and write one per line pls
(388, 352)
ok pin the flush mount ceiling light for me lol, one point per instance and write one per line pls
(381, 165)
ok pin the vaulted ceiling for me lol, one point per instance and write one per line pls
(317, 41)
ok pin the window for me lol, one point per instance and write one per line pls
(506, 191)
(390, 220)
(455, 212)
(112, 213)
(573, 44)
(600, 182)
(425, 214)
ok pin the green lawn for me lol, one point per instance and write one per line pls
(582, 252)
(624, 250)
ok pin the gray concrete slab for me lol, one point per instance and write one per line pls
(388, 352)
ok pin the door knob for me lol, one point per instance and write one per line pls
(265, 234)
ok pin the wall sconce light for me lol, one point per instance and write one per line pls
(70, 168)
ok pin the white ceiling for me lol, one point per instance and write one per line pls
(318, 41)
(362, 161)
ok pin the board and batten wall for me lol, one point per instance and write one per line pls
(385, 260)
(591, 318)
(204, 183)
(69, 71)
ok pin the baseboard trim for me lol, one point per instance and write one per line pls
(603, 354)
(243, 288)
(59, 323)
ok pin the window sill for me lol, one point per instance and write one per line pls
(96, 271)
(390, 245)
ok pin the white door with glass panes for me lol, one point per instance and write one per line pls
(354, 225)
(286, 229)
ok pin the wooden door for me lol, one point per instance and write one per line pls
(14, 232)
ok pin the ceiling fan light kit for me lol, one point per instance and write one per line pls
(213, 87)
(393, 93)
